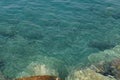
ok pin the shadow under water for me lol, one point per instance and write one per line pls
(101, 45)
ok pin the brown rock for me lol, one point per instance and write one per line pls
(45, 77)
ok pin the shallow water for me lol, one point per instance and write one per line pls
(64, 30)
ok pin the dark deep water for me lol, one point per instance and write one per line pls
(58, 33)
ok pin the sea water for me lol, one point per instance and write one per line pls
(59, 33)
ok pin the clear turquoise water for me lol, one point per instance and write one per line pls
(67, 30)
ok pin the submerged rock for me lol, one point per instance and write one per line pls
(108, 68)
(2, 63)
(30, 31)
(115, 65)
(105, 56)
(100, 71)
(116, 16)
(51, 63)
(35, 69)
(2, 77)
(104, 69)
(8, 31)
(101, 45)
(45, 77)
(88, 74)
